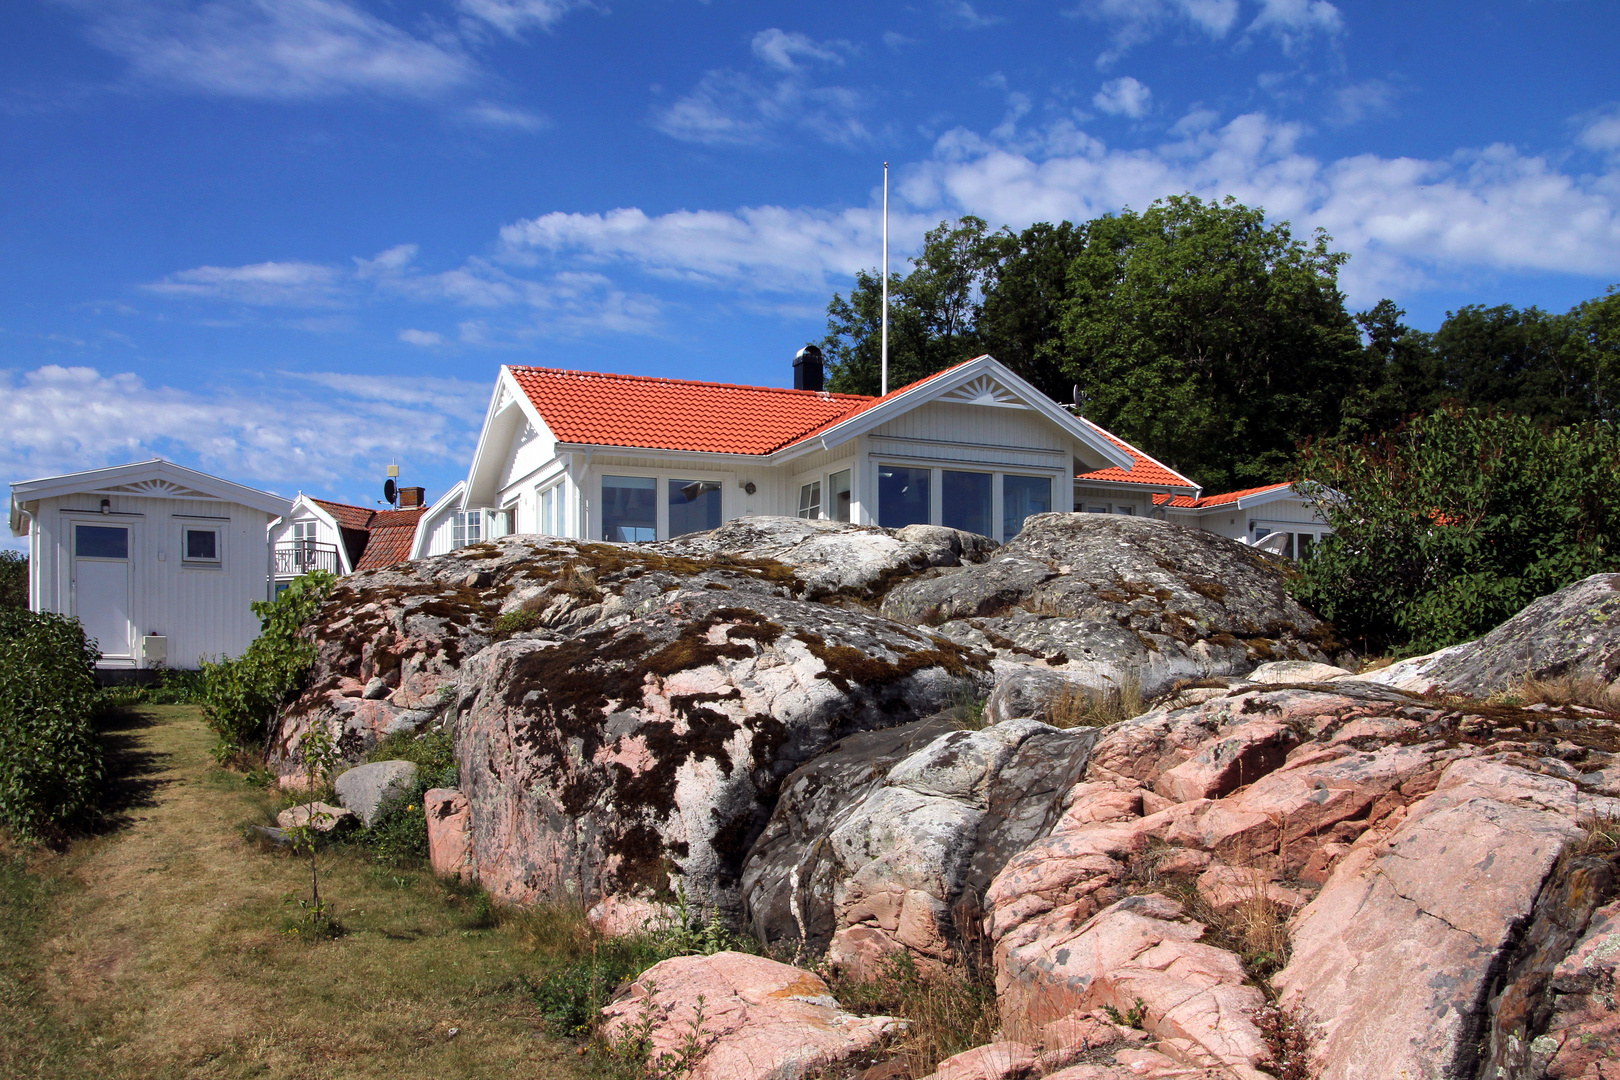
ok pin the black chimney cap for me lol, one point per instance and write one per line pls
(807, 369)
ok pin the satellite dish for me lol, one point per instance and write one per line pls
(390, 491)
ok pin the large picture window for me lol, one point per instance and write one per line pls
(694, 506)
(630, 508)
(902, 496)
(967, 501)
(1022, 496)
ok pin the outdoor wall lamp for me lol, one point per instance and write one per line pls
(106, 506)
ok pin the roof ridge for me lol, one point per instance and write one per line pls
(687, 382)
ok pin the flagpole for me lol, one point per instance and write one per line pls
(885, 389)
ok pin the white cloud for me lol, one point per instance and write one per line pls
(1600, 130)
(897, 41)
(736, 108)
(276, 49)
(1135, 22)
(65, 418)
(1363, 101)
(960, 13)
(513, 17)
(295, 284)
(1295, 22)
(778, 49)
(1124, 97)
(761, 248)
(494, 115)
(566, 303)
(424, 338)
(1408, 223)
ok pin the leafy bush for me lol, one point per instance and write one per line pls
(13, 579)
(240, 696)
(1455, 521)
(173, 686)
(50, 757)
(398, 836)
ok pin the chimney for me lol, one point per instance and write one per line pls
(411, 497)
(807, 369)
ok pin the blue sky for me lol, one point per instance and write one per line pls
(288, 240)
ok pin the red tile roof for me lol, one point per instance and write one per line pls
(388, 532)
(677, 414)
(1186, 502)
(1145, 470)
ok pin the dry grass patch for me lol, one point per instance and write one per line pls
(1082, 706)
(157, 949)
(1588, 691)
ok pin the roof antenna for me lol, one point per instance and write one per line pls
(885, 389)
(391, 485)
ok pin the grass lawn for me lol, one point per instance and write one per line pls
(156, 948)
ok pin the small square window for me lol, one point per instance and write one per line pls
(201, 546)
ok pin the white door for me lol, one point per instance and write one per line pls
(101, 586)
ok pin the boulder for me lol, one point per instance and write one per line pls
(878, 847)
(322, 817)
(656, 745)
(993, 1061)
(1421, 845)
(627, 916)
(449, 829)
(1294, 672)
(760, 1019)
(1572, 634)
(370, 789)
(835, 558)
(1113, 601)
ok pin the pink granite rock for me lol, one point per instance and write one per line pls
(449, 830)
(761, 1020)
(993, 1061)
(622, 916)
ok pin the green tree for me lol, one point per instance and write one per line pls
(933, 312)
(1400, 374)
(1450, 524)
(1524, 360)
(1021, 317)
(1214, 339)
(1597, 322)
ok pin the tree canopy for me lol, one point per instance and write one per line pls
(1213, 339)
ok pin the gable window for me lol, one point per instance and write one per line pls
(200, 547)
(902, 496)
(810, 500)
(838, 495)
(967, 501)
(466, 527)
(630, 508)
(1022, 496)
(694, 506)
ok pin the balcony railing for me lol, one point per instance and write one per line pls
(302, 556)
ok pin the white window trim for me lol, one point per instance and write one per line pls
(212, 565)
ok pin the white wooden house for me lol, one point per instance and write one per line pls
(626, 458)
(340, 538)
(630, 458)
(1277, 513)
(160, 563)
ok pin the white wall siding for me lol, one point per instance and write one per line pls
(201, 611)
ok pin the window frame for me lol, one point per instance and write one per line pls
(187, 562)
(812, 510)
(594, 517)
(998, 473)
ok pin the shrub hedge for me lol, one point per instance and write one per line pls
(51, 767)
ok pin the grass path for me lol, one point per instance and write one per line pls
(157, 948)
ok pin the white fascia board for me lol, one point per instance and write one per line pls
(601, 449)
(453, 497)
(508, 391)
(864, 422)
(153, 469)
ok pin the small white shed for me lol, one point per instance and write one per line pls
(160, 563)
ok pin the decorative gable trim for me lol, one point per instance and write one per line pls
(985, 390)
